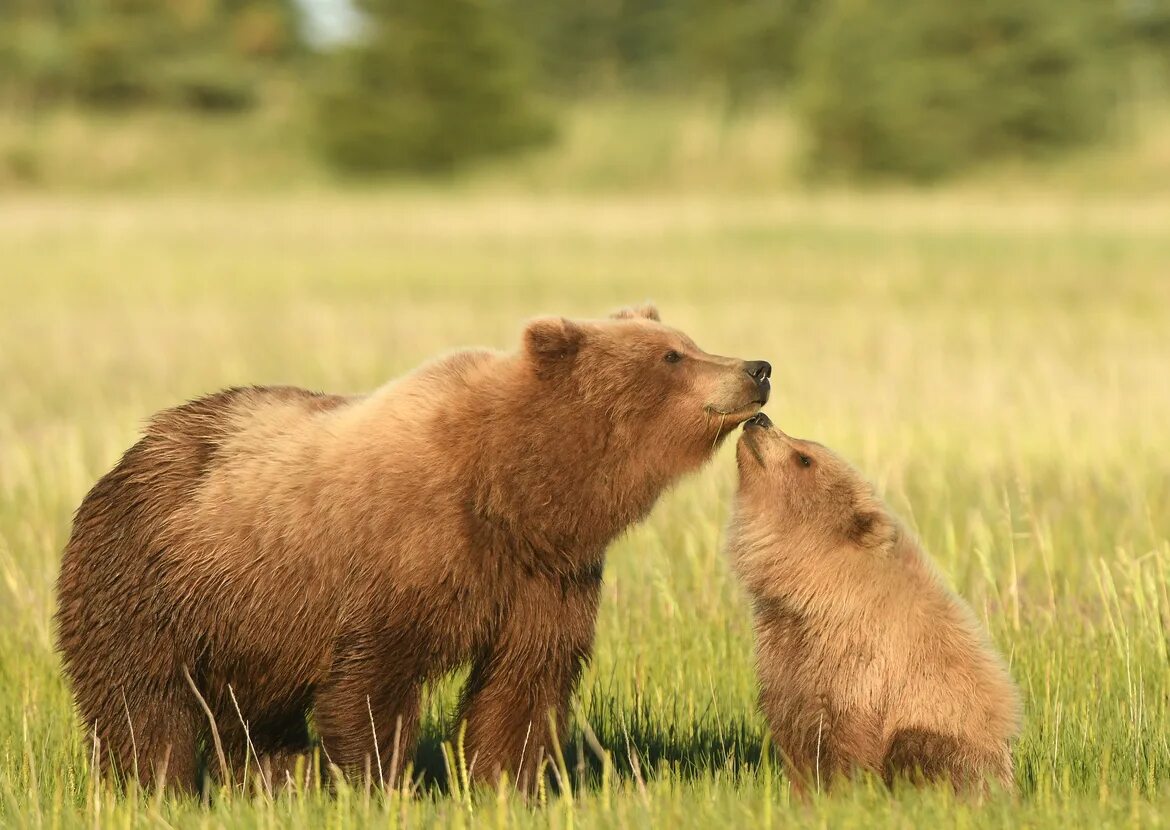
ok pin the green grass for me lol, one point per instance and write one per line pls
(998, 366)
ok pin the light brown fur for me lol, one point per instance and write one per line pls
(314, 553)
(865, 660)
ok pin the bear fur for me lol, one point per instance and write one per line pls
(266, 553)
(865, 660)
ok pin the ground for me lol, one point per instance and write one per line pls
(996, 362)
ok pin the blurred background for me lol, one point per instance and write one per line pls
(611, 94)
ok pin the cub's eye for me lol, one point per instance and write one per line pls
(672, 356)
(804, 460)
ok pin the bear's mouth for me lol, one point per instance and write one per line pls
(729, 420)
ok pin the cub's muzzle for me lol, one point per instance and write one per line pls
(758, 421)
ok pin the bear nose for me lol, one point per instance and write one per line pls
(761, 370)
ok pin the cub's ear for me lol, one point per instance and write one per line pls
(552, 342)
(647, 311)
(872, 528)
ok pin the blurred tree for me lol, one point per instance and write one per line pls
(601, 45)
(1149, 20)
(921, 89)
(1147, 25)
(660, 45)
(738, 48)
(198, 53)
(35, 57)
(434, 85)
(745, 46)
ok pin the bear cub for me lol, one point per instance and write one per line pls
(866, 662)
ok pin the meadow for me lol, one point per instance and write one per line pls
(998, 364)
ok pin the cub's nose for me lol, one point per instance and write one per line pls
(758, 420)
(761, 370)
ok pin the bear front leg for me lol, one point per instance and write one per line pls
(527, 675)
(367, 713)
(821, 746)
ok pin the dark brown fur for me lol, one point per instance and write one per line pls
(296, 553)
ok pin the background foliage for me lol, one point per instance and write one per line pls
(203, 54)
(914, 89)
(433, 84)
(922, 89)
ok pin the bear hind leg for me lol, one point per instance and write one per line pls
(922, 756)
(152, 737)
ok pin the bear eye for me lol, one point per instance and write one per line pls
(804, 460)
(672, 356)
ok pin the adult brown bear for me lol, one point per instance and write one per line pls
(286, 552)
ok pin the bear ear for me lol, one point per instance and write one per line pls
(552, 341)
(645, 311)
(872, 528)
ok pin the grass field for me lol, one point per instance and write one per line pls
(999, 367)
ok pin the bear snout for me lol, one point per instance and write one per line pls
(761, 372)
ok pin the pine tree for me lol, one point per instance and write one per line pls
(921, 89)
(436, 84)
